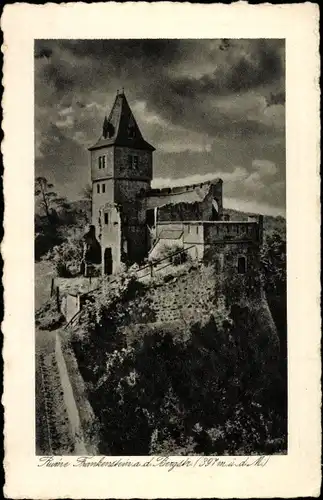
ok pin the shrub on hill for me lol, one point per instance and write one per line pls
(168, 251)
(206, 387)
(66, 258)
(205, 393)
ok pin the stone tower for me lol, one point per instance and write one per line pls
(121, 173)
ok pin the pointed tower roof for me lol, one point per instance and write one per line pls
(120, 128)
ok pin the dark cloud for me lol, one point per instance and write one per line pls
(119, 51)
(262, 65)
(276, 98)
(63, 161)
(230, 91)
(57, 76)
(42, 52)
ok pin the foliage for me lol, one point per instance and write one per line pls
(55, 217)
(86, 193)
(206, 393)
(66, 257)
(273, 260)
(167, 251)
(271, 223)
(116, 303)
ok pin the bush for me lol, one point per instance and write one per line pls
(207, 393)
(168, 251)
(48, 317)
(67, 257)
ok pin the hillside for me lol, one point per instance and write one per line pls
(188, 362)
(271, 223)
(172, 368)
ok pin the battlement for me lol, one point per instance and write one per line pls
(181, 189)
(212, 232)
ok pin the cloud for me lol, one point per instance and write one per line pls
(206, 105)
(253, 206)
(237, 175)
(266, 167)
(230, 180)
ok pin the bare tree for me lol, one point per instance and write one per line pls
(49, 199)
(44, 194)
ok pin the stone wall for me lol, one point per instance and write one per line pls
(229, 253)
(102, 173)
(190, 204)
(185, 297)
(100, 199)
(123, 169)
(111, 235)
(80, 413)
(224, 231)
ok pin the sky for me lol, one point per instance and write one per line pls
(211, 108)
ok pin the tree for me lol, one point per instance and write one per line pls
(87, 192)
(46, 197)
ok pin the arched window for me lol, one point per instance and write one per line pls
(242, 265)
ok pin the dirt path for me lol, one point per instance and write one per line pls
(43, 276)
(53, 432)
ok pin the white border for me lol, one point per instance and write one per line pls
(298, 473)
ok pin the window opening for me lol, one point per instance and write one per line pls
(242, 265)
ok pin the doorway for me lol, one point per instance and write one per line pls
(108, 261)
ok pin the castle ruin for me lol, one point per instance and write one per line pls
(132, 221)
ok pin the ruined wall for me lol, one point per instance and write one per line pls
(70, 305)
(187, 203)
(185, 211)
(230, 231)
(239, 264)
(187, 298)
(99, 200)
(191, 234)
(233, 247)
(111, 235)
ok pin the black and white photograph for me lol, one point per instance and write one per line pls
(160, 247)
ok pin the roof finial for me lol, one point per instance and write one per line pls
(117, 91)
(122, 90)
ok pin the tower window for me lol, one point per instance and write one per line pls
(101, 162)
(133, 161)
(106, 218)
(103, 188)
(98, 188)
(242, 265)
(131, 131)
